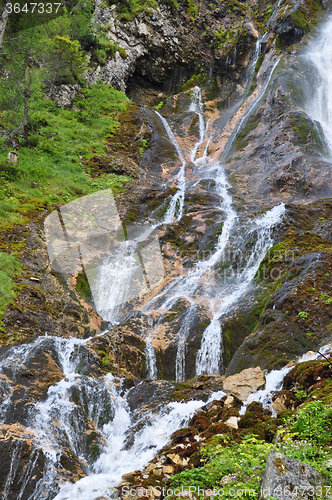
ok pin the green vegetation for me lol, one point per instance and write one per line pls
(243, 462)
(10, 268)
(83, 287)
(303, 315)
(301, 18)
(192, 9)
(129, 9)
(104, 359)
(226, 39)
(159, 105)
(143, 147)
(52, 145)
(195, 80)
(227, 461)
(241, 142)
(51, 167)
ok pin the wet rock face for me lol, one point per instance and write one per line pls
(121, 351)
(45, 304)
(283, 474)
(297, 313)
(30, 376)
(150, 395)
(279, 152)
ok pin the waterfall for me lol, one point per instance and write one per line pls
(209, 356)
(180, 372)
(319, 105)
(175, 209)
(274, 382)
(80, 404)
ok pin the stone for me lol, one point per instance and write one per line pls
(13, 156)
(232, 422)
(286, 477)
(245, 383)
(227, 479)
(150, 467)
(177, 460)
(329, 464)
(157, 472)
(168, 469)
(279, 404)
(228, 401)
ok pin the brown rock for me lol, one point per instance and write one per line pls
(168, 469)
(245, 383)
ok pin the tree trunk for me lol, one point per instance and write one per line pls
(3, 20)
(27, 83)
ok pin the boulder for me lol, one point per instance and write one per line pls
(232, 422)
(245, 383)
(286, 477)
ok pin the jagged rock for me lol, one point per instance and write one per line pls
(245, 383)
(65, 94)
(168, 469)
(48, 305)
(232, 422)
(284, 477)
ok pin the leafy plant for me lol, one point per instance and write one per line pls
(243, 463)
(314, 422)
(303, 315)
(159, 105)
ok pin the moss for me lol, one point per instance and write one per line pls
(95, 451)
(281, 467)
(259, 63)
(105, 359)
(301, 18)
(83, 287)
(160, 213)
(132, 216)
(192, 9)
(241, 142)
(236, 329)
(194, 81)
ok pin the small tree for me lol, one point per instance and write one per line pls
(67, 62)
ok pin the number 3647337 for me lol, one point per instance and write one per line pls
(40, 8)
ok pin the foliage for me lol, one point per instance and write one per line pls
(192, 9)
(243, 463)
(303, 315)
(10, 267)
(52, 170)
(159, 105)
(129, 9)
(314, 422)
(67, 60)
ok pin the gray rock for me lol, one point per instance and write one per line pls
(286, 478)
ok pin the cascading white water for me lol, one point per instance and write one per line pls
(79, 403)
(274, 381)
(209, 355)
(175, 209)
(319, 105)
(180, 372)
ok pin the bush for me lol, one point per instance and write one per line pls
(9, 171)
